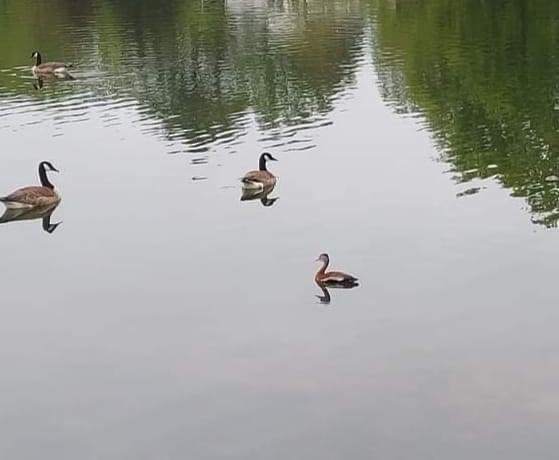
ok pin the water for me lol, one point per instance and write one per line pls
(165, 318)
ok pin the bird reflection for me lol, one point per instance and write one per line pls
(39, 82)
(262, 195)
(325, 298)
(38, 212)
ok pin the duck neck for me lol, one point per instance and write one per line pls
(43, 177)
(38, 59)
(262, 164)
(325, 264)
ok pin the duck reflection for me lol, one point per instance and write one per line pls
(262, 195)
(325, 297)
(38, 212)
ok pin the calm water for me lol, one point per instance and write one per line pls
(165, 318)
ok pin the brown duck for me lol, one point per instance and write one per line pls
(340, 279)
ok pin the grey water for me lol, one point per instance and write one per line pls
(166, 318)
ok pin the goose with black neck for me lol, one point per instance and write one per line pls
(262, 178)
(29, 197)
(58, 69)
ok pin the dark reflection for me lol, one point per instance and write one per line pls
(484, 75)
(262, 195)
(469, 192)
(40, 212)
(38, 84)
(40, 80)
(230, 59)
(325, 298)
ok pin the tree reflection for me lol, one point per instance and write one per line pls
(484, 75)
(206, 64)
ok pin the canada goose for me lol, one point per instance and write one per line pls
(52, 68)
(258, 180)
(333, 279)
(259, 194)
(38, 212)
(29, 197)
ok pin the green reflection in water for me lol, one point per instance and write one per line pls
(484, 75)
(200, 67)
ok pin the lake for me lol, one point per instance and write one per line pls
(167, 318)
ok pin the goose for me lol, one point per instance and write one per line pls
(29, 197)
(49, 68)
(262, 178)
(338, 279)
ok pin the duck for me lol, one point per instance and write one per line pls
(49, 68)
(262, 178)
(334, 279)
(30, 197)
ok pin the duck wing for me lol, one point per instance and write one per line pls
(338, 277)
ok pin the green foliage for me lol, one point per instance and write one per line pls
(484, 75)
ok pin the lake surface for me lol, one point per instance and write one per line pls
(165, 318)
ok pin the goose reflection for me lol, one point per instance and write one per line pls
(38, 212)
(262, 195)
(38, 84)
(39, 81)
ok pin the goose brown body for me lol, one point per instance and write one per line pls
(261, 178)
(29, 197)
(47, 68)
(332, 277)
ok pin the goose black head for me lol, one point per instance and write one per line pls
(267, 157)
(267, 202)
(48, 227)
(47, 165)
